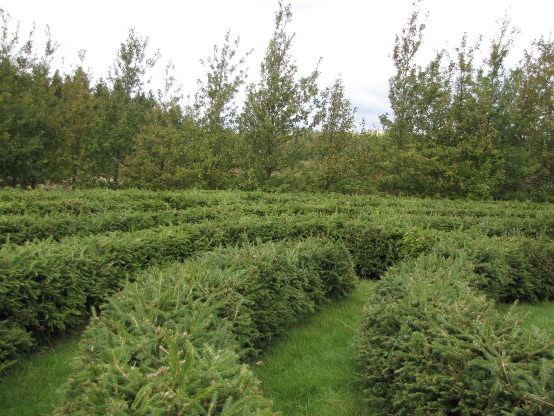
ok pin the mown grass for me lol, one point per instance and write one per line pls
(29, 388)
(311, 371)
(538, 315)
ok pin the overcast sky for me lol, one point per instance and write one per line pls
(354, 37)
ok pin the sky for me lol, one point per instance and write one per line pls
(354, 38)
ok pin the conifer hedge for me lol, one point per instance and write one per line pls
(431, 344)
(172, 342)
(507, 269)
(49, 286)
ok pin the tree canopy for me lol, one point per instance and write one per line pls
(460, 126)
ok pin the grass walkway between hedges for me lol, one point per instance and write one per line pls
(30, 387)
(311, 370)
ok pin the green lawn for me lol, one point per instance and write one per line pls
(30, 386)
(311, 371)
(538, 315)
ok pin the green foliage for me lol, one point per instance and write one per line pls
(506, 269)
(27, 103)
(460, 127)
(535, 115)
(74, 116)
(167, 342)
(14, 340)
(334, 145)
(375, 248)
(158, 348)
(49, 287)
(93, 241)
(430, 344)
(277, 110)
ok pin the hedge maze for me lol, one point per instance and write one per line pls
(181, 292)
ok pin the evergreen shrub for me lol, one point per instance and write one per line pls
(506, 268)
(172, 341)
(47, 287)
(159, 347)
(375, 248)
(281, 283)
(431, 344)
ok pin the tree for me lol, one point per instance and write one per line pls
(334, 144)
(160, 144)
(122, 107)
(403, 85)
(536, 110)
(27, 137)
(216, 148)
(74, 116)
(277, 110)
(401, 167)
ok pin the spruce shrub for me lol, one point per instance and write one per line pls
(172, 340)
(375, 248)
(506, 268)
(159, 347)
(47, 287)
(281, 283)
(430, 344)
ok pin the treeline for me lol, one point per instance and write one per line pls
(459, 128)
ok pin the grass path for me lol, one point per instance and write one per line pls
(310, 371)
(30, 387)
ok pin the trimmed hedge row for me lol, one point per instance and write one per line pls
(430, 344)
(47, 287)
(24, 228)
(506, 269)
(533, 224)
(171, 342)
(487, 217)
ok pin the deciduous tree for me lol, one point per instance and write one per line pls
(277, 109)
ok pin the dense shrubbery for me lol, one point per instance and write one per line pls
(49, 286)
(375, 248)
(459, 127)
(506, 269)
(170, 342)
(504, 250)
(430, 344)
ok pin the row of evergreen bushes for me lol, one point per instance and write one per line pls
(19, 229)
(47, 287)
(14, 201)
(53, 214)
(172, 342)
(430, 343)
(507, 269)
